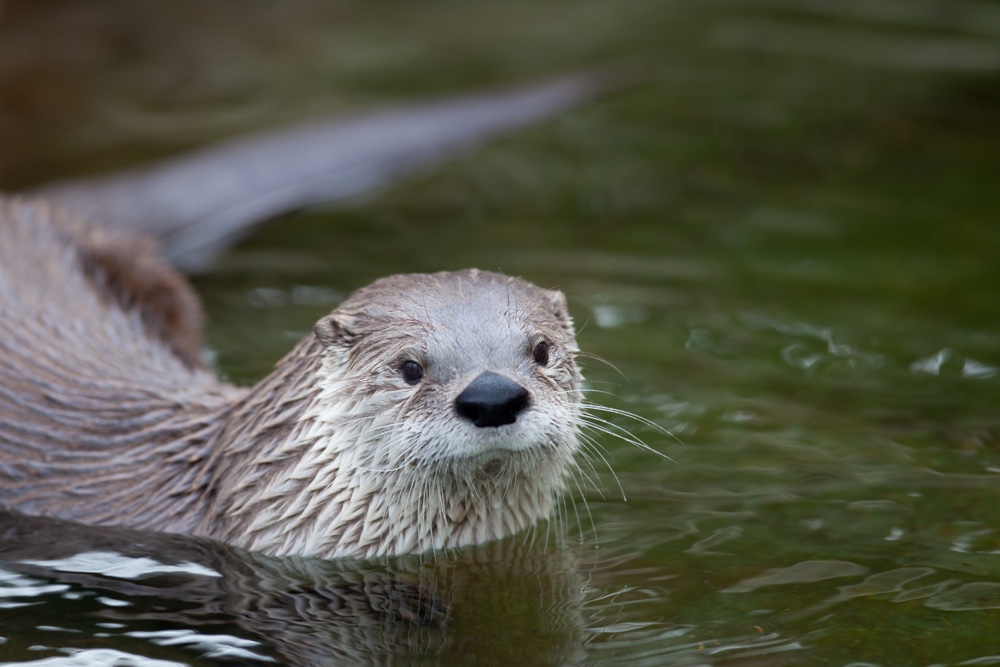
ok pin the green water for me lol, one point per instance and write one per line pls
(784, 245)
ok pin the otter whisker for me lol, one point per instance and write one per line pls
(590, 445)
(586, 506)
(561, 514)
(631, 415)
(607, 427)
(572, 499)
(615, 431)
(590, 355)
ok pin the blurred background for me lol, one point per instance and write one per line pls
(785, 244)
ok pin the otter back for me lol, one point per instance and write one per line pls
(100, 387)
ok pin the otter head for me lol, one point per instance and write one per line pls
(445, 413)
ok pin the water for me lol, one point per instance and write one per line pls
(784, 246)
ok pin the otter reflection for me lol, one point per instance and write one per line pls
(510, 600)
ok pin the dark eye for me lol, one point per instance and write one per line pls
(541, 353)
(411, 371)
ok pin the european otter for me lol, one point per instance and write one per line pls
(426, 411)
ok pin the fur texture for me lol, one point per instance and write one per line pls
(106, 417)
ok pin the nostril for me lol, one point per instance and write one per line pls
(492, 400)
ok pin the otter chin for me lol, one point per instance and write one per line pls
(427, 411)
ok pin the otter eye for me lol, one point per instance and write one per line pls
(411, 371)
(541, 353)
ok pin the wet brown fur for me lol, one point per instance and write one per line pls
(129, 270)
(107, 416)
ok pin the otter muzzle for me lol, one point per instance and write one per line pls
(492, 400)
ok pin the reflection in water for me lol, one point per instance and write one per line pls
(218, 601)
(168, 598)
(99, 656)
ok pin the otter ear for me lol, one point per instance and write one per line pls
(559, 306)
(334, 329)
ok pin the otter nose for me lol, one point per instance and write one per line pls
(492, 400)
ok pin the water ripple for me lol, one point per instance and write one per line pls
(801, 573)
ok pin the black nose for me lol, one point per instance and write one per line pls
(492, 400)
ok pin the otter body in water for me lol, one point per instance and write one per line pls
(427, 411)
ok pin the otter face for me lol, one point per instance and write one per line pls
(447, 413)
(470, 363)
